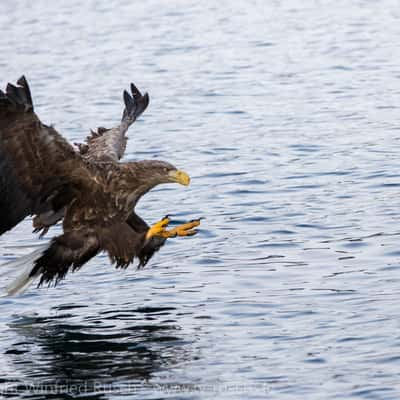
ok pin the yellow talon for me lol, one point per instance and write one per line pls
(158, 229)
(185, 229)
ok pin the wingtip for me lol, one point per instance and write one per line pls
(22, 81)
(135, 91)
(19, 95)
(146, 99)
(135, 103)
(128, 100)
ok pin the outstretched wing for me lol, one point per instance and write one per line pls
(108, 145)
(71, 250)
(35, 160)
(123, 241)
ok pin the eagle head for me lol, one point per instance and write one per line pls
(163, 172)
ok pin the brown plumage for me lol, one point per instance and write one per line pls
(93, 193)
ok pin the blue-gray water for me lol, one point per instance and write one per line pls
(286, 114)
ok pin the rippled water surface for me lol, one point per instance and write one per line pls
(286, 115)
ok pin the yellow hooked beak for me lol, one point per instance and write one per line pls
(180, 177)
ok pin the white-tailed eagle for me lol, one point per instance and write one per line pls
(89, 189)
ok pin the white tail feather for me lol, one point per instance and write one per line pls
(26, 264)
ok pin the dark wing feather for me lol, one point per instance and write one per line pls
(121, 242)
(74, 248)
(68, 251)
(17, 97)
(35, 160)
(149, 249)
(108, 145)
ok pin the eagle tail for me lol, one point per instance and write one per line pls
(25, 266)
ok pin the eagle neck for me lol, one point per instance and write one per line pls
(139, 191)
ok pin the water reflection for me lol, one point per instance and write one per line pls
(110, 351)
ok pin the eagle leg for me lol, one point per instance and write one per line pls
(159, 230)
